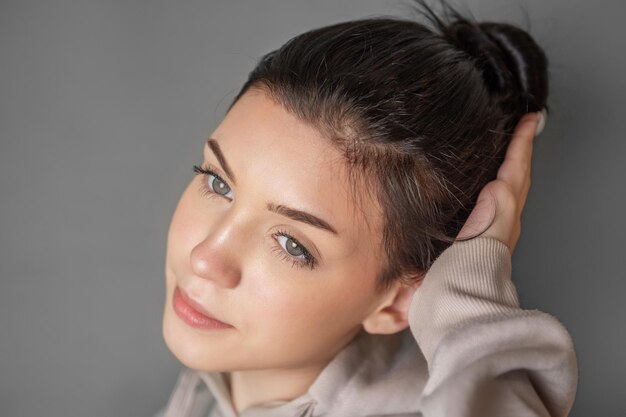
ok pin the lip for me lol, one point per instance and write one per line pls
(193, 313)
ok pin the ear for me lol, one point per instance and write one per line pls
(391, 315)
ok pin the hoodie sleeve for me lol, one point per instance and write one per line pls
(486, 356)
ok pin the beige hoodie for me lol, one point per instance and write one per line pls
(470, 350)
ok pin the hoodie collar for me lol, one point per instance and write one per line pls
(372, 375)
(218, 385)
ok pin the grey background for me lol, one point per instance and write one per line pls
(104, 106)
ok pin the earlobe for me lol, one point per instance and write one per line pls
(391, 316)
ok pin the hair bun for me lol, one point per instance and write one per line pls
(508, 57)
(513, 66)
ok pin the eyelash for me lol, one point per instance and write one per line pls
(205, 172)
(309, 260)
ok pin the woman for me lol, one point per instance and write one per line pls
(345, 247)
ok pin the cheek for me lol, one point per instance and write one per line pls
(275, 300)
(297, 308)
(183, 215)
(185, 230)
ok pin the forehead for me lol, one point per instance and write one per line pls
(289, 162)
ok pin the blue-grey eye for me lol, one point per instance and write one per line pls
(219, 186)
(212, 183)
(292, 247)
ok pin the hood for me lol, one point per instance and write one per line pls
(374, 375)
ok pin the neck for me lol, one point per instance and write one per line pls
(260, 386)
(256, 387)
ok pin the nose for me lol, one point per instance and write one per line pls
(215, 257)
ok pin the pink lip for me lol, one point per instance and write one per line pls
(193, 314)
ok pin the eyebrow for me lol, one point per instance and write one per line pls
(294, 214)
(301, 216)
(215, 147)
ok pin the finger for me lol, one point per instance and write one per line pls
(526, 188)
(515, 170)
(481, 217)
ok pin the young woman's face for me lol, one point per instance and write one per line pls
(235, 252)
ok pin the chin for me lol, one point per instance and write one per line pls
(193, 349)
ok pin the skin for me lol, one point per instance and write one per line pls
(288, 322)
(501, 202)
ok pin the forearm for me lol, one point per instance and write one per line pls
(487, 356)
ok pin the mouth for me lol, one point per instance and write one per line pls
(193, 313)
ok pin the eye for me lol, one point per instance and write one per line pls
(292, 250)
(291, 246)
(219, 186)
(213, 184)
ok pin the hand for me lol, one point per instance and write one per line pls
(501, 201)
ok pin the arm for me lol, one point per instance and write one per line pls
(486, 356)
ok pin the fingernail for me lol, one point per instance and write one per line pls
(541, 122)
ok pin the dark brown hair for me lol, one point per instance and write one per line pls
(425, 113)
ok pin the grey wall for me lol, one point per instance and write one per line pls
(104, 107)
